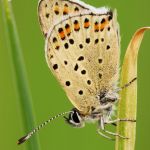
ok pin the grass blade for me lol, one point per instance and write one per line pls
(127, 107)
(19, 72)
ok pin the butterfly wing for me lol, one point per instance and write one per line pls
(83, 53)
(51, 12)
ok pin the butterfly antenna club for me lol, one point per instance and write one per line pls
(26, 137)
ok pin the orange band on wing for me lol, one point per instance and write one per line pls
(68, 31)
(86, 24)
(96, 27)
(103, 25)
(62, 35)
(66, 10)
(76, 27)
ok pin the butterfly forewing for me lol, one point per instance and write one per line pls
(83, 53)
(52, 12)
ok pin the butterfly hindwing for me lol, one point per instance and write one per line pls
(83, 53)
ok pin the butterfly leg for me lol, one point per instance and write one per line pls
(102, 128)
(128, 84)
(119, 120)
(114, 122)
(110, 133)
(103, 135)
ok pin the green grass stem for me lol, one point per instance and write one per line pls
(128, 103)
(19, 70)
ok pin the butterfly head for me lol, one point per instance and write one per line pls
(75, 119)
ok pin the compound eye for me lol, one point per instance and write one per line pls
(75, 117)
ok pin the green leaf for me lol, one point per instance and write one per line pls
(127, 106)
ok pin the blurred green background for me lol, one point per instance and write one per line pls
(49, 98)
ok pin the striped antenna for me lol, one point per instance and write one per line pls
(26, 137)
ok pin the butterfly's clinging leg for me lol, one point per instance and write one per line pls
(115, 134)
(126, 85)
(103, 135)
(103, 128)
(108, 132)
(120, 120)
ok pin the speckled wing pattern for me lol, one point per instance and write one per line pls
(82, 48)
(83, 52)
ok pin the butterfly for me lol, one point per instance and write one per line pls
(82, 50)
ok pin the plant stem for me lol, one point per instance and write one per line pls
(18, 66)
(127, 107)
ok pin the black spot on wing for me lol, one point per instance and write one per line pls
(65, 62)
(87, 40)
(102, 39)
(108, 47)
(66, 45)
(55, 66)
(68, 83)
(81, 58)
(80, 92)
(96, 41)
(103, 20)
(81, 46)
(71, 41)
(47, 15)
(83, 72)
(100, 60)
(76, 67)
(88, 82)
(76, 9)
